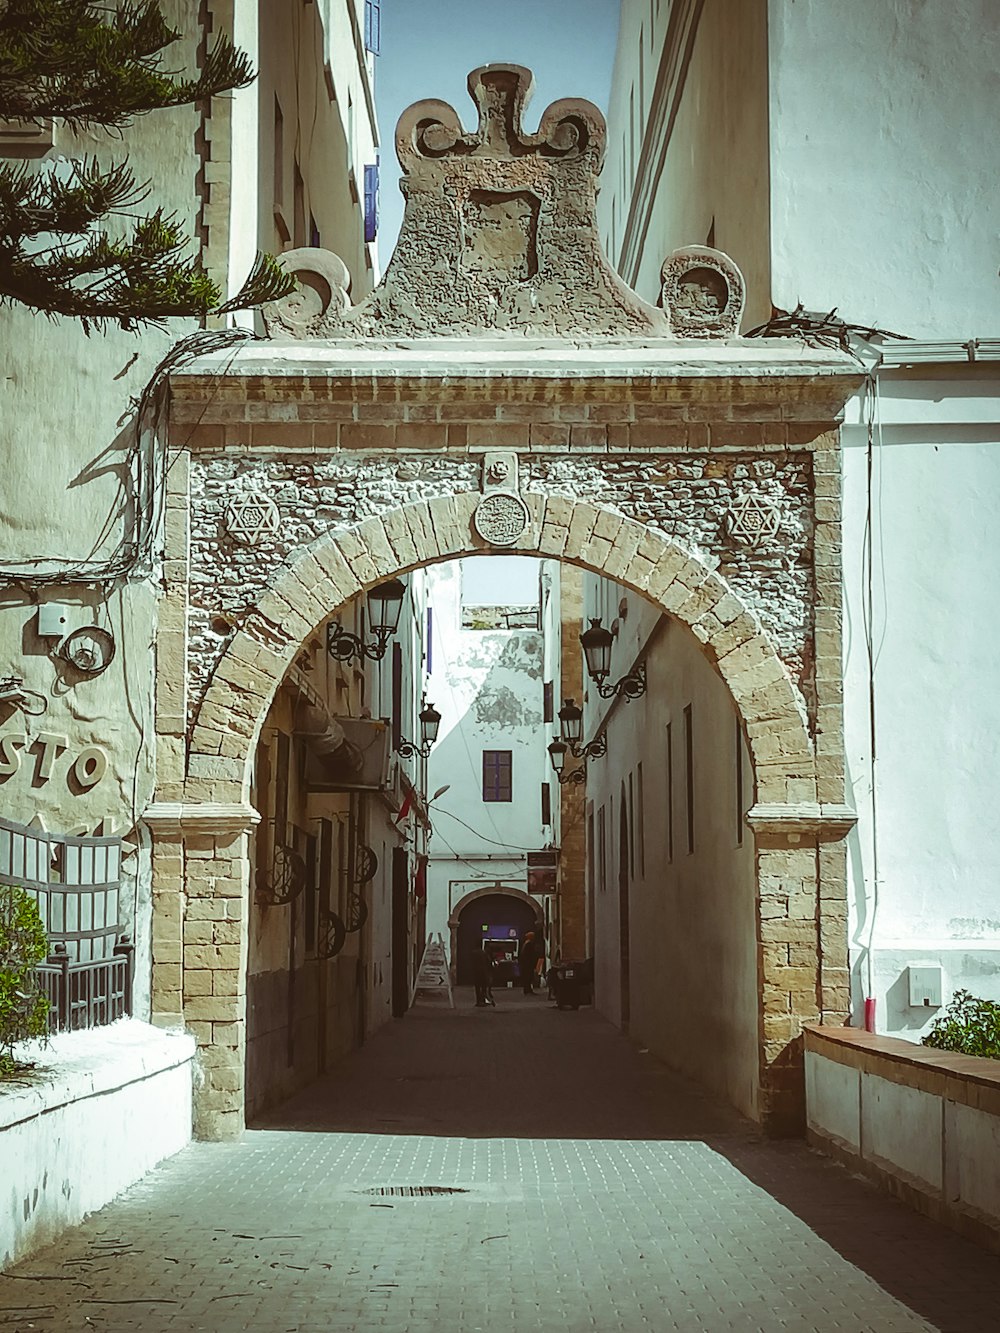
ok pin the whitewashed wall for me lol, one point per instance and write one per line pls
(883, 162)
(866, 131)
(691, 913)
(935, 635)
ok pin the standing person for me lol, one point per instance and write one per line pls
(527, 961)
(482, 974)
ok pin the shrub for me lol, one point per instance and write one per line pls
(24, 1008)
(969, 1025)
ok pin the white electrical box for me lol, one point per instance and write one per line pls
(53, 620)
(925, 985)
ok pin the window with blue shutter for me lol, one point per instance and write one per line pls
(373, 26)
(371, 202)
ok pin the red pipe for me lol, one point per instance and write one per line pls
(870, 1014)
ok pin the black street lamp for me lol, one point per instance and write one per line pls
(385, 601)
(430, 721)
(571, 730)
(557, 754)
(597, 642)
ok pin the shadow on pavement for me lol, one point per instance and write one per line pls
(526, 1070)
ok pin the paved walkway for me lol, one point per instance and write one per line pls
(592, 1191)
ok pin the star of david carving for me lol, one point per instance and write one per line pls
(751, 518)
(252, 518)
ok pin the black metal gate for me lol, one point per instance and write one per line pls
(77, 885)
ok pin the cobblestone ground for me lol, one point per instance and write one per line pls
(589, 1190)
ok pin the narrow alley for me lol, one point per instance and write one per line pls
(491, 1169)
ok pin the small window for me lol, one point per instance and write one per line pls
(396, 715)
(371, 202)
(548, 705)
(497, 774)
(546, 803)
(373, 26)
(670, 791)
(602, 851)
(298, 207)
(279, 155)
(640, 821)
(631, 827)
(314, 236)
(689, 774)
(739, 784)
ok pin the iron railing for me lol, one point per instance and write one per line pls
(76, 883)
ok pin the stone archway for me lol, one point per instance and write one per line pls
(502, 362)
(477, 895)
(202, 821)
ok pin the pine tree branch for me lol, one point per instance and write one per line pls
(61, 59)
(92, 65)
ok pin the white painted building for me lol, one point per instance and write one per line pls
(493, 673)
(843, 154)
(275, 165)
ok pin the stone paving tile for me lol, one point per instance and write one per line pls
(601, 1193)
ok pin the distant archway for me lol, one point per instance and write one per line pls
(484, 913)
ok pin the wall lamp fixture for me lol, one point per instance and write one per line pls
(571, 730)
(430, 721)
(557, 754)
(385, 601)
(597, 642)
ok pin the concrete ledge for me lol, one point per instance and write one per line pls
(100, 1111)
(923, 1124)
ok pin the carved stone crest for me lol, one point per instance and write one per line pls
(751, 518)
(251, 519)
(501, 518)
(499, 234)
(703, 293)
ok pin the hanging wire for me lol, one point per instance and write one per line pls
(147, 466)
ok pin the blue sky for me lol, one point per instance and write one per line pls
(429, 46)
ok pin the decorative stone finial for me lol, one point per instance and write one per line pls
(322, 294)
(703, 293)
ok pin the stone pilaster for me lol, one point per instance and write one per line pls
(200, 918)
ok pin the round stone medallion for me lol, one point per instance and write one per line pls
(501, 518)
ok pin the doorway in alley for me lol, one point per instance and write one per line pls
(495, 922)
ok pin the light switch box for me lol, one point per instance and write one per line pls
(925, 985)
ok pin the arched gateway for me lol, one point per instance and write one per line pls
(501, 389)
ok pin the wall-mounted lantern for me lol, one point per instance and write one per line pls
(571, 730)
(385, 601)
(597, 642)
(557, 754)
(430, 721)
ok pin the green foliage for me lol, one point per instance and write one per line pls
(93, 66)
(23, 945)
(63, 59)
(969, 1025)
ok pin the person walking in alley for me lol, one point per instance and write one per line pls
(527, 961)
(482, 975)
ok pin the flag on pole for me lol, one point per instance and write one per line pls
(404, 809)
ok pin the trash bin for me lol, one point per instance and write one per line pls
(572, 980)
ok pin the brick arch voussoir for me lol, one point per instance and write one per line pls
(340, 565)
